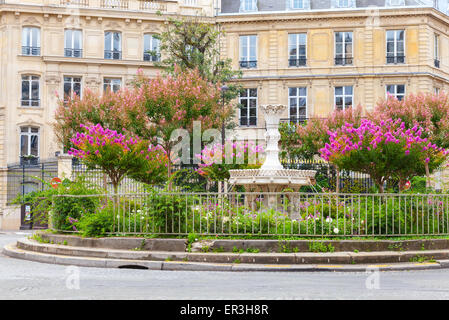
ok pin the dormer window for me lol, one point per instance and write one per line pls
(248, 5)
(298, 4)
(343, 4)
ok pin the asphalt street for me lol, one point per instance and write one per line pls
(21, 279)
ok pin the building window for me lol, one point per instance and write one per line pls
(343, 97)
(112, 45)
(248, 51)
(395, 2)
(437, 90)
(151, 48)
(248, 107)
(30, 91)
(29, 142)
(297, 50)
(73, 43)
(248, 5)
(112, 84)
(396, 90)
(297, 102)
(343, 48)
(395, 46)
(299, 4)
(72, 86)
(436, 50)
(31, 41)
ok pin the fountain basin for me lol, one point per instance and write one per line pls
(263, 180)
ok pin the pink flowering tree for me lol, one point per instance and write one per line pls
(304, 141)
(385, 150)
(118, 155)
(217, 160)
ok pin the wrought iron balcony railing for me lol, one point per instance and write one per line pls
(343, 61)
(74, 53)
(112, 54)
(29, 160)
(31, 51)
(248, 64)
(115, 4)
(300, 62)
(395, 59)
(30, 102)
(151, 57)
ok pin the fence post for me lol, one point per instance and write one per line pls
(65, 166)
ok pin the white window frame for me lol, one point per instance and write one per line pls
(247, 57)
(395, 49)
(72, 83)
(248, 6)
(29, 135)
(72, 43)
(395, 94)
(249, 98)
(152, 41)
(436, 46)
(297, 97)
(344, 96)
(110, 46)
(30, 81)
(111, 84)
(28, 31)
(297, 45)
(344, 53)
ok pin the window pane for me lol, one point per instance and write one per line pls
(339, 91)
(68, 38)
(292, 92)
(24, 145)
(302, 91)
(34, 145)
(253, 92)
(25, 90)
(293, 102)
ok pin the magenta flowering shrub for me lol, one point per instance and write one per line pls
(217, 160)
(117, 155)
(384, 151)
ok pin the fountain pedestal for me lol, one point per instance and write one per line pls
(271, 177)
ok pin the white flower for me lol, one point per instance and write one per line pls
(225, 219)
(328, 219)
(335, 230)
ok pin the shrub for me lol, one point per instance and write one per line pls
(98, 223)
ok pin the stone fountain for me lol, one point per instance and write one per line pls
(271, 177)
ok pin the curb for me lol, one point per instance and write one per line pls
(300, 258)
(12, 251)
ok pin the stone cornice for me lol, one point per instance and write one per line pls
(288, 16)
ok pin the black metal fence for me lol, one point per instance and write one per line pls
(326, 176)
(25, 177)
(185, 178)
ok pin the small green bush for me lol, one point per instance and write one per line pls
(96, 224)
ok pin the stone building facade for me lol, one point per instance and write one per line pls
(312, 55)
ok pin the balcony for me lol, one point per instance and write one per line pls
(301, 62)
(247, 64)
(437, 63)
(149, 5)
(343, 61)
(114, 4)
(77, 3)
(112, 54)
(74, 53)
(395, 59)
(30, 102)
(31, 51)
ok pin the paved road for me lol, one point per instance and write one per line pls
(20, 279)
